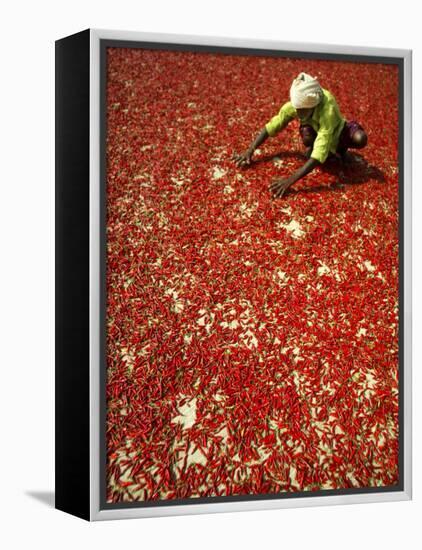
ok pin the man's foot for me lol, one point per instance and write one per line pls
(346, 157)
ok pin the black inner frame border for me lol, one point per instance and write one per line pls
(240, 51)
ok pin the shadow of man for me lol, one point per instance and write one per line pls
(356, 172)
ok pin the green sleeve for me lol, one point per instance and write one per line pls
(280, 120)
(322, 143)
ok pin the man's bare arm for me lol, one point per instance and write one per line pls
(245, 158)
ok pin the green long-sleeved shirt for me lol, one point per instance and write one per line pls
(326, 120)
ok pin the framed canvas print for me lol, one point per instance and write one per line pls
(233, 274)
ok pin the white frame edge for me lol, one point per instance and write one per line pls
(96, 513)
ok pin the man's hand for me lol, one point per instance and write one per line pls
(279, 187)
(244, 159)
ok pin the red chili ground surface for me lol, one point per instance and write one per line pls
(252, 343)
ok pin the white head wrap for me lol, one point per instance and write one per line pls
(305, 92)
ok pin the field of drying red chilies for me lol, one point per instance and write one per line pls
(252, 343)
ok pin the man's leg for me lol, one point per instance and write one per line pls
(359, 139)
(308, 135)
(353, 136)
